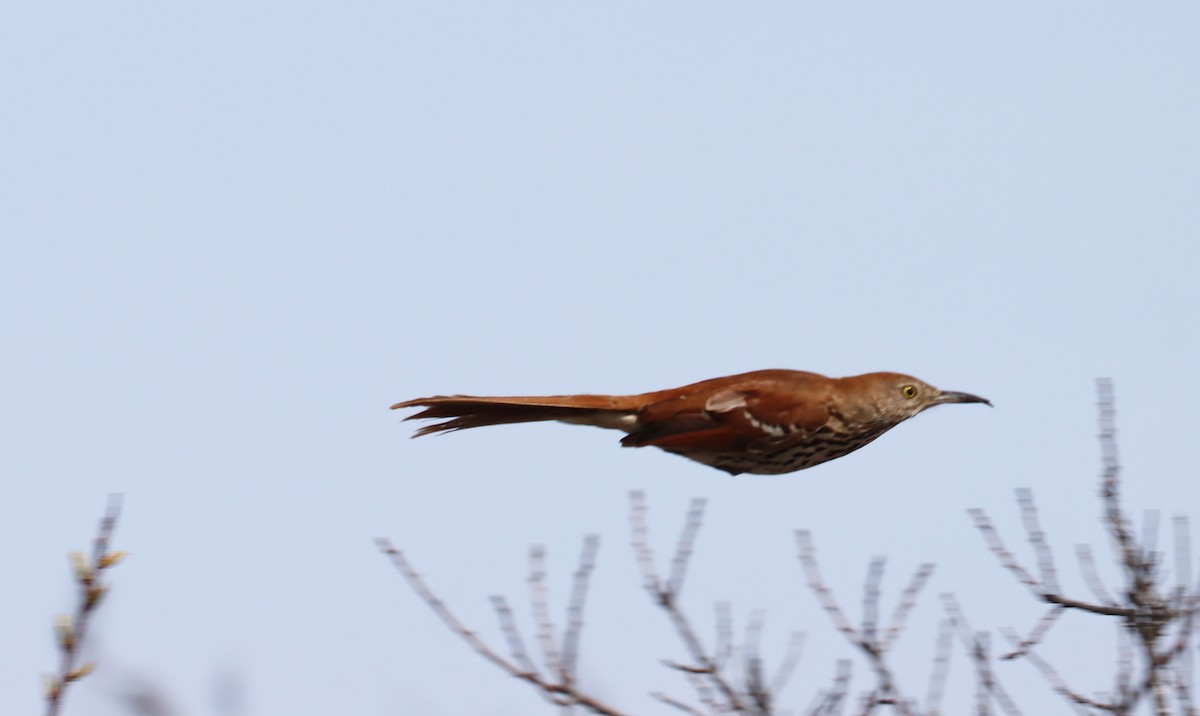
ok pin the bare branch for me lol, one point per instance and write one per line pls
(1183, 666)
(978, 648)
(665, 596)
(1037, 539)
(439, 607)
(787, 667)
(1009, 562)
(1124, 676)
(1076, 700)
(830, 701)
(1179, 656)
(870, 620)
(825, 596)
(677, 704)
(941, 667)
(564, 694)
(1151, 613)
(508, 626)
(756, 687)
(1035, 636)
(887, 692)
(704, 664)
(869, 701)
(540, 606)
(1186, 602)
(687, 542)
(641, 542)
(1118, 525)
(587, 562)
(1148, 546)
(1091, 576)
(724, 647)
(71, 631)
(983, 691)
(908, 600)
(1183, 553)
(1086, 607)
(705, 693)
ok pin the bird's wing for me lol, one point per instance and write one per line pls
(741, 412)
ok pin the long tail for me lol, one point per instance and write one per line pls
(469, 411)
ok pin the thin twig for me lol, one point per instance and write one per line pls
(1009, 562)
(787, 667)
(417, 582)
(641, 541)
(1110, 486)
(1183, 665)
(665, 595)
(677, 704)
(870, 620)
(908, 600)
(887, 689)
(704, 664)
(1037, 539)
(1150, 613)
(1179, 656)
(1148, 546)
(869, 701)
(1183, 553)
(825, 596)
(1091, 575)
(687, 543)
(829, 701)
(570, 650)
(941, 667)
(72, 631)
(983, 689)
(977, 649)
(540, 607)
(1186, 603)
(508, 626)
(705, 693)
(1075, 699)
(724, 646)
(752, 665)
(1124, 676)
(565, 694)
(1035, 636)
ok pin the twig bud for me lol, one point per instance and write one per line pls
(111, 559)
(65, 632)
(84, 669)
(83, 570)
(94, 593)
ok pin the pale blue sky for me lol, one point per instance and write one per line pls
(236, 232)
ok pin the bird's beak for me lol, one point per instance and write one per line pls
(951, 396)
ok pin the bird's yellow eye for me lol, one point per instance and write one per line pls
(909, 391)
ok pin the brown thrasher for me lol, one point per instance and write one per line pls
(766, 422)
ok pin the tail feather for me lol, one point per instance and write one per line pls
(468, 411)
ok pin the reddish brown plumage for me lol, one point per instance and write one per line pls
(765, 422)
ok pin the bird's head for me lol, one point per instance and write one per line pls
(899, 397)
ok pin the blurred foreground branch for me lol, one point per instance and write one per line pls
(71, 630)
(867, 637)
(558, 684)
(1157, 616)
(721, 684)
(708, 671)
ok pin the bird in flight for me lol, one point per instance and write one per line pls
(766, 422)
